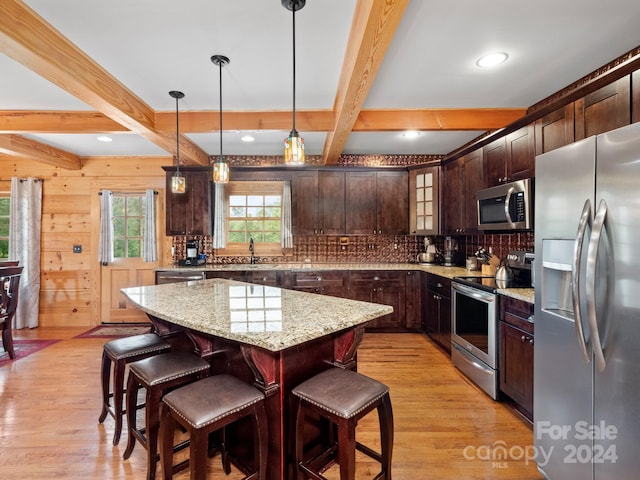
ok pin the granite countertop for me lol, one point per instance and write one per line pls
(526, 294)
(268, 317)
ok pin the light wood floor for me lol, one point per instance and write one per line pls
(50, 402)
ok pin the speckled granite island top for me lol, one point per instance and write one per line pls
(262, 316)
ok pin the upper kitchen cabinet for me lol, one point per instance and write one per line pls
(462, 179)
(510, 158)
(190, 213)
(605, 109)
(424, 202)
(555, 129)
(377, 203)
(318, 202)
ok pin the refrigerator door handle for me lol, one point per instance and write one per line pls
(585, 221)
(592, 254)
(507, 201)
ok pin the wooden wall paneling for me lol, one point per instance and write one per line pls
(64, 241)
(66, 222)
(61, 280)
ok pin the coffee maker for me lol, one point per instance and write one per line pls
(450, 249)
(193, 255)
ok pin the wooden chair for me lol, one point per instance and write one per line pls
(9, 283)
(9, 263)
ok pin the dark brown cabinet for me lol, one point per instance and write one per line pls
(386, 287)
(516, 353)
(510, 158)
(190, 213)
(436, 309)
(424, 201)
(462, 179)
(324, 282)
(318, 202)
(605, 109)
(555, 129)
(377, 203)
(237, 275)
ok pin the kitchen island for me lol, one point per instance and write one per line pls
(274, 338)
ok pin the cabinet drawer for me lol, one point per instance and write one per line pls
(271, 278)
(239, 276)
(439, 285)
(316, 279)
(517, 313)
(373, 278)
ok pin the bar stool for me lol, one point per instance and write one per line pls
(158, 375)
(205, 406)
(344, 397)
(121, 352)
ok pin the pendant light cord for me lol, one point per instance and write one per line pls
(177, 136)
(294, 66)
(220, 70)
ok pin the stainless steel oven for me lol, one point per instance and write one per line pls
(474, 336)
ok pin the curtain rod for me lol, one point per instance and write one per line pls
(35, 179)
(131, 193)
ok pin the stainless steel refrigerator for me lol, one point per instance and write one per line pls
(587, 309)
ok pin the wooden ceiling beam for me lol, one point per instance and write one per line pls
(19, 146)
(374, 25)
(58, 121)
(30, 40)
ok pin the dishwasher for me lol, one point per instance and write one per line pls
(165, 276)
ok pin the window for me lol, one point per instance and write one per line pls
(128, 211)
(4, 226)
(254, 210)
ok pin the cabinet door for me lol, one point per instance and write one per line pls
(495, 158)
(424, 205)
(473, 181)
(392, 203)
(331, 204)
(412, 304)
(189, 213)
(516, 366)
(453, 196)
(520, 159)
(603, 110)
(360, 203)
(304, 202)
(386, 287)
(555, 129)
(444, 304)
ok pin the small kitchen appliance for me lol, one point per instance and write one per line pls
(450, 249)
(193, 255)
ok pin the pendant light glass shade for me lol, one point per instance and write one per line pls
(294, 143)
(178, 182)
(220, 167)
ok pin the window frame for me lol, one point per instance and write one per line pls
(264, 188)
(126, 195)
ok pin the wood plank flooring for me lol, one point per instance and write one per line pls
(444, 426)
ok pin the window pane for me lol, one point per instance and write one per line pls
(117, 205)
(235, 200)
(253, 225)
(237, 212)
(133, 227)
(272, 236)
(257, 236)
(4, 206)
(133, 248)
(4, 248)
(118, 248)
(237, 237)
(133, 206)
(272, 225)
(237, 225)
(4, 226)
(255, 212)
(271, 200)
(272, 212)
(118, 227)
(255, 200)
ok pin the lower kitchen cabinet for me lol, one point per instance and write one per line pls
(516, 353)
(436, 309)
(324, 282)
(237, 275)
(386, 287)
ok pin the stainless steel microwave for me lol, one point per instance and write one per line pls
(506, 207)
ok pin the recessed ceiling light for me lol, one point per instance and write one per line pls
(104, 138)
(247, 138)
(411, 134)
(492, 59)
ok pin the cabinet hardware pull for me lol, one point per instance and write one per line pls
(523, 338)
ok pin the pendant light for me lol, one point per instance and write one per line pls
(294, 144)
(178, 182)
(220, 167)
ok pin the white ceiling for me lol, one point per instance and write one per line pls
(154, 46)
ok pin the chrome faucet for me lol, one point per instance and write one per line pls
(252, 250)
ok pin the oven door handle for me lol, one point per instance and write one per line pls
(474, 292)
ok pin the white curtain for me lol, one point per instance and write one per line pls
(24, 245)
(105, 248)
(287, 235)
(220, 217)
(150, 243)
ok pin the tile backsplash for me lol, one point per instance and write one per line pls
(366, 249)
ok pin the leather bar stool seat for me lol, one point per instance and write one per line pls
(157, 375)
(204, 407)
(121, 352)
(343, 397)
